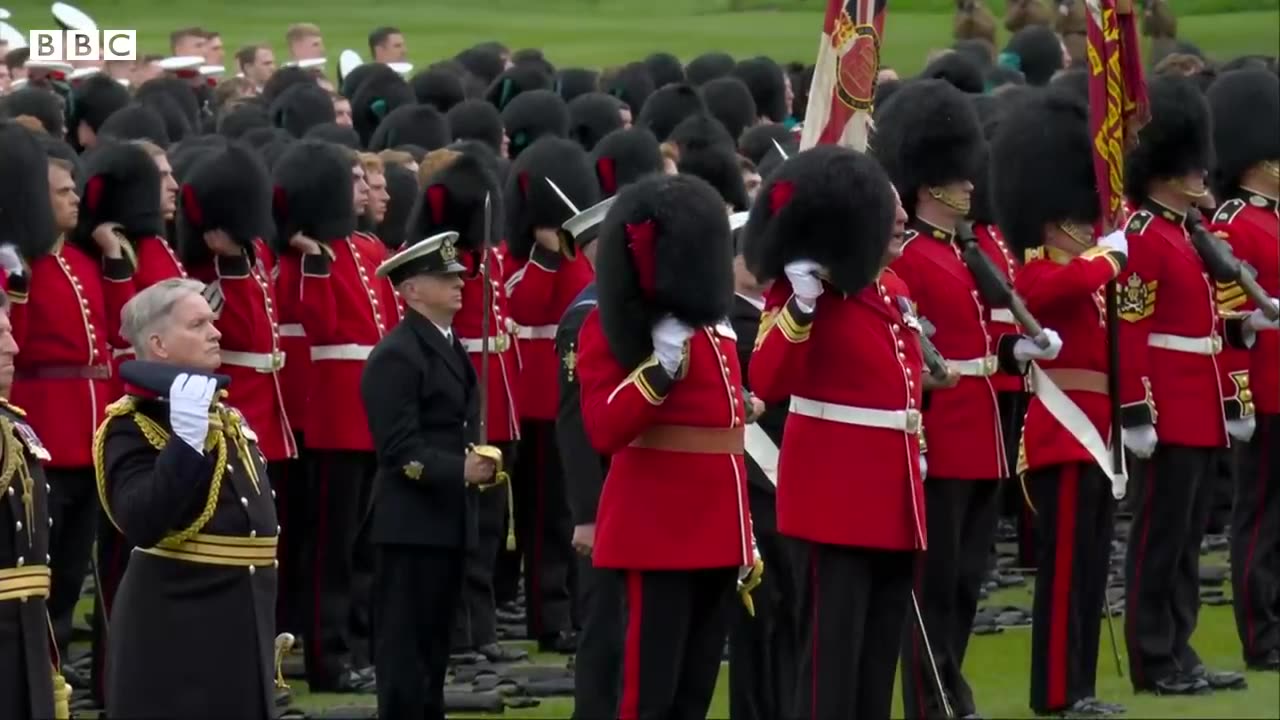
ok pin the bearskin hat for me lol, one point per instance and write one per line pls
(767, 84)
(981, 52)
(24, 192)
(438, 88)
(1246, 124)
(927, 135)
(1177, 141)
(176, 124)
(92, 102)
(484, 63)
(313, 193)
(592, 116)
(664, 68)
(236, 121)
(631, 84)
(719, 166)
(572, 82)
(1036, 52)
(800, 84)
(1074, 81)
(227, 190)
(178, 91)
(515, 81)
(496, 165)
(664, 247)
(334, 133)
(185, 158)
(667, 106)
(757, 141)
(122, 185)
(301, 108)
(135, 122)
(58, 148)
(707, 67)
(40, 104)
(352, 81)
(533, 57)
(285, 78)
(773, 159)
(453, 199)
(533, 114)
(807, 208)
(957, 69)
(381, 92)
(530, 201)
(259, 137)
(701, 131)
(1042, 168)
(274, 149)
(999, 76)
(623, 157)
(402, 186)
(729, 100)
(476, 120)
(420, 125)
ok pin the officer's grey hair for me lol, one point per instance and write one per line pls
(149, 310)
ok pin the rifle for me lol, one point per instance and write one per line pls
(992, 285)
(1224, 267)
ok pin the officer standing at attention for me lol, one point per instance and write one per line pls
(423, 518)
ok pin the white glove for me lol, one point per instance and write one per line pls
(669, 337)
(1242, 428)
(1026, 349)
(11, 261)
(190, 398)
(805, 283)
(1117, 241)
(1141, 440)
(924, 468)
(1257, 321)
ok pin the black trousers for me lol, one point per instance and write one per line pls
(672, 641)
(1074, 509)
(856, 602)
(290, 483)
(1013, 506)
(962, 523)
(415, 594)
(1255, 541)
(73, 508)
(337, 505)
(599, 659)
(112, 555)
(476, 625)
(544, 529)
(1162, 563)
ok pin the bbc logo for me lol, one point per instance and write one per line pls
(75, 45)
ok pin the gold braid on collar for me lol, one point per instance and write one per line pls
(14, 464)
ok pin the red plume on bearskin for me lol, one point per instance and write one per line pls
(530, 201)
(453, 199)
(227, 190)
(122, 186)
(624, 156)
(313, 193)
(26, 220)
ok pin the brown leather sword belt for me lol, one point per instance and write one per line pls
(1075, 380)
(691, 439)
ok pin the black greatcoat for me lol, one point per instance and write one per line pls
(225, 612)
(26, 670)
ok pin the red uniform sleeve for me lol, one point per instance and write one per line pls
(1137, 286)
(117, 290)
(781, 345)
(1052, 283)
(317, 307)
(531, 289)
(617, 404)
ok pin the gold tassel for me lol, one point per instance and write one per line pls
(284, 643)
(511, 518)
(61, 696)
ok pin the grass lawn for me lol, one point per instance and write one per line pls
(577, 32)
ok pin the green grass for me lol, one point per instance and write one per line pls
(591, 32)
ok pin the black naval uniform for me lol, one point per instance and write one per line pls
(26, 669)
(600, 600)
(203, 571)
(420, 393)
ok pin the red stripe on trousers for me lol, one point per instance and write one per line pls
(1131, 598)
(1060, 596)
(1264, 461)
(317, 580)
(629, 700)
(815, 631)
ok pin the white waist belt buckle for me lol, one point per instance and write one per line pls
(908, 421)
(341, 352)
(979, 367)
(538, 332)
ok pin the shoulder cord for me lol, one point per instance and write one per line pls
(13, 465)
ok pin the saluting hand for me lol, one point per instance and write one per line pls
(11, 261)
(190, 397)
(108, 237)
(478, 470)
(805, 283)
(304, 244)
(669, 338)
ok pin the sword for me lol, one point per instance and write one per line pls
(933, 664)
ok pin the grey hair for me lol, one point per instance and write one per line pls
(150, 309)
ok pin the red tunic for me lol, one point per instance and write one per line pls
(540, 290)
(65, 327)
(662, 509)
(857, 351)
(502, 420)
(1066, 294)
(1000, 321)
(295, 376)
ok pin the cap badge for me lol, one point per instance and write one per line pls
(413, 470)
(448, 252)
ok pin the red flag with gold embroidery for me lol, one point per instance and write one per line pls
(844, 77)
(1117, 98)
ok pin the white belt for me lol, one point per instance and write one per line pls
(763, 451)
(497, 343)
(1211, 345)
(907, 421)
(537, 332)
(262, 362)
(292, 330)
(1075, 421)
(122, 352)
(1003, 315)
(978, 367)
(341, 352)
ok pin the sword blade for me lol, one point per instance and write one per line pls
(486, 293)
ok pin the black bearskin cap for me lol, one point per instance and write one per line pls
(122, 185)
(1036, 51)
(184, 158)
(285, 78)
(717, 165)
(334, 133)
(476, 120)
(989, 109)
(707, 67)
(420, 125)
(313, 193)
(998, 76)
(1075, 81)
(927, 135)
(701, 131)
(664, 68)
(402, 186)
(272, 150)
(301, 108)
(515, 81)
(631, 84)
(93, 101)
(259, 137)
(592, 116)
(1042, 168)
(623, 157)
(1246, 124)
(497, 166)
(176, 124)
(773, 159)
(957, 69)
(381, 92)
(533, 114)
(800, 84)
(58, 148)
(572, 82)
(40, 104)
(533, 57)
(453, 199)
(136, 122)
(1177, 141)
(439, 88)
(976, 50)
(530, 201)
(828, 204)
(667, 106)
(227, 190)
(767, 84)
(484, 63)
(26, 220)
(757, 141)
(664, 247)
(233, 123)
(178, 91)
(729, 100)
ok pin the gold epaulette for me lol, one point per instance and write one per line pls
(1228, 211)
(12, 408)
